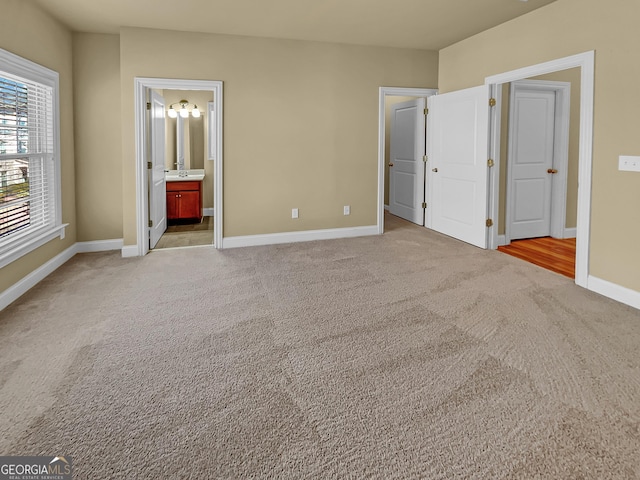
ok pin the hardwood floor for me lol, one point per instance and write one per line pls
(550, 253)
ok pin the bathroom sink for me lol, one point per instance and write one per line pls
(182, 175)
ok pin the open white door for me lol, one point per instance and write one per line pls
(406, 168)
(457, 176)
(157, 184)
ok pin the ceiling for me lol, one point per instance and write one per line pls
(423, 24)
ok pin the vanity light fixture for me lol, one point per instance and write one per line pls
(183, 111)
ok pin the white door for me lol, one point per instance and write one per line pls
(457, 172)
(157, 185)
(530, 162)
(406, 167)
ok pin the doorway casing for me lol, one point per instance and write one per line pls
(586, 62)
(383, 92)
(141, 86)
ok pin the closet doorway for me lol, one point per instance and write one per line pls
(540, 119)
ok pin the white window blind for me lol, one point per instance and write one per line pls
(29, 158)
(26, 156)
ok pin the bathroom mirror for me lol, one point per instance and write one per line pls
(187, 136)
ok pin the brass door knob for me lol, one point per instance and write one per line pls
(391, 164)
(552, 170)
(434, 170)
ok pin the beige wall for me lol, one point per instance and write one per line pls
(563, 28)
(504, 149)
(27, 31)
(98, 142)
(389, 100)
(300, 122)
(571, 76)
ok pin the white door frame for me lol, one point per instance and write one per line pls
(383, 92)
(586, 62)
(141, 84)
(558, 190)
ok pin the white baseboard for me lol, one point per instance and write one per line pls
(386, 207)
(209, 212)
(130, 251)
(502, 240)
(614, 291)
(100, 245)
(21, 287)
(603, 287)
(303, 236)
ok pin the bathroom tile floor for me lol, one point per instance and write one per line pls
(187, 235)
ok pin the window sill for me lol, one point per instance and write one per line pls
(22, 246)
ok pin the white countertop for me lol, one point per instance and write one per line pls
(196, 174)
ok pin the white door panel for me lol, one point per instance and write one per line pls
(404, 189)
(458, 134)
(458, 200)
(157, 184)
(406, 172)
(528, 195)
(531, 154)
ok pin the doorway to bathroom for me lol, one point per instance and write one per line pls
(188, 167)
(153, 174)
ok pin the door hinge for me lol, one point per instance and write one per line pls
(426, 111)
(150, 223)
(424, 204)
(492, 102)
(489, 222)
(490, 163)
(425, 159)
(148, 105)
(149, 165)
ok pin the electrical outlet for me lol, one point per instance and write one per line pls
(294, 213)
(347, 210)
(628, 163)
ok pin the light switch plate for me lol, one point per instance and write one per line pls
(294, 213)
(628, 163)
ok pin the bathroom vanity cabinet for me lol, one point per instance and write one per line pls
(184, 200)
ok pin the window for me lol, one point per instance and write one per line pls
(30, 211)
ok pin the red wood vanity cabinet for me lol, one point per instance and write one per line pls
(184, 200)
